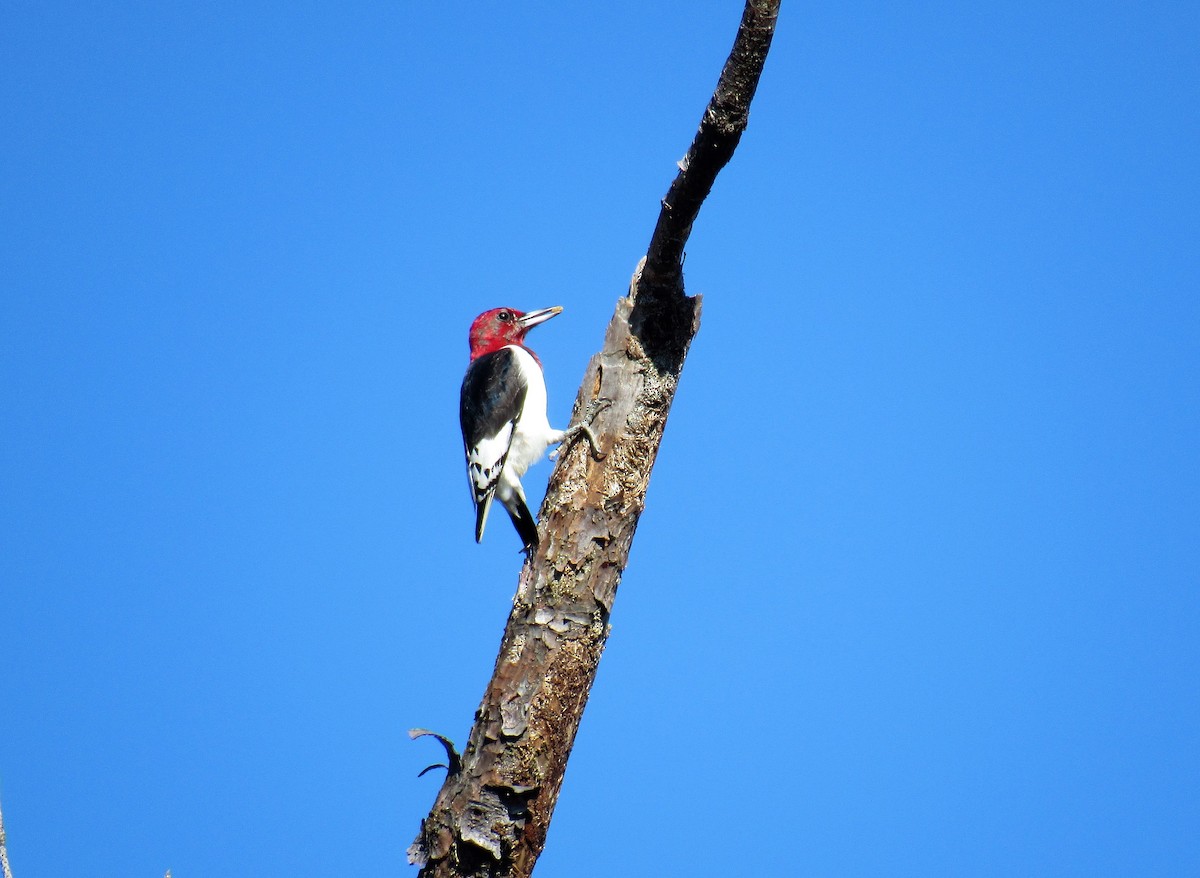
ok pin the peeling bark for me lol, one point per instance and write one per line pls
(492, 813)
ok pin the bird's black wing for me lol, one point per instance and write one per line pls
(493, 392)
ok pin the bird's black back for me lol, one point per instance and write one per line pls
(493, 392)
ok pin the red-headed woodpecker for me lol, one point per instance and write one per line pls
(502, 411)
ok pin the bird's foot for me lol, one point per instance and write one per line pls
(584, 428)
(594, 408)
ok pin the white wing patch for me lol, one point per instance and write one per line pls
(485, 463)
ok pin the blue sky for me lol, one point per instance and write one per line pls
(916, 590)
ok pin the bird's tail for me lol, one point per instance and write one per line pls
(482, 507)
(523, 521)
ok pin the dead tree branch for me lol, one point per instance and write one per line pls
(7, 870)
(492, 813)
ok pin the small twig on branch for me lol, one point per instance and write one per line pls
(491, 815)
(453, 761)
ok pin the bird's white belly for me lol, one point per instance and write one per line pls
(533, 433)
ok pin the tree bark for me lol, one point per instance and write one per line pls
(492, 813)
(4, 867)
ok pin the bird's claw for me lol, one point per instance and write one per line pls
(584, 427)
(597, 454)
(594, 408)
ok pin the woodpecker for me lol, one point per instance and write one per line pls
(502, 411)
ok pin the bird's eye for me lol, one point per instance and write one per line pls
(505, 316)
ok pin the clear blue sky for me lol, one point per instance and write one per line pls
(917, 591)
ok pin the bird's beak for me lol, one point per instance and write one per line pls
(533, 318)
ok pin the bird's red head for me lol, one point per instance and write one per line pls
(494, 329)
